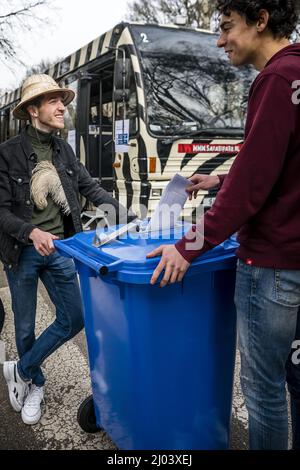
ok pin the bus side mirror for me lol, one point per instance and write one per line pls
(122, 79)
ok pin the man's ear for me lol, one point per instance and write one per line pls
(263, 20)
(32, 110)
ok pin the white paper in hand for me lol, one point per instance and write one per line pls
(170, 205)
(2, 352)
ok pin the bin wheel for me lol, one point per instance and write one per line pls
(86, 416)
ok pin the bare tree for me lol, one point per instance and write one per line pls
(296, 34)
(18, 16)
(42, 67)
(198, 13)
(142, 10)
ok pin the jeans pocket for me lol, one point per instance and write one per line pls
(240, 264)
(287, 287)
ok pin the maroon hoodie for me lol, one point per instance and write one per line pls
(260, 196)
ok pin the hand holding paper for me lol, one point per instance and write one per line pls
(170, 205)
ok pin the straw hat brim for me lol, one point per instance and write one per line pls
(20, 113)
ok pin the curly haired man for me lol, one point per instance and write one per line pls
(259, 198)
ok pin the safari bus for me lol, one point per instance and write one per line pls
(150, 101)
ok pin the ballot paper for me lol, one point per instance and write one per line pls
(170, 205)
(2, 352)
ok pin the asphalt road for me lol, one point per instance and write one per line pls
(68, 383)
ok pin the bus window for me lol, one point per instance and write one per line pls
(107, 113)
(130, 111)
(1, 126)
(13, 124)
(4, 125)
(189, 85)
(68, 132)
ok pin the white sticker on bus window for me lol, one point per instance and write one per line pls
(121, 135)
(72, 139)
(144, 37)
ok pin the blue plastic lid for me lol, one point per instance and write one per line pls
(125, 257)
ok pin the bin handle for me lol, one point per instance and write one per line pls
(96, 266)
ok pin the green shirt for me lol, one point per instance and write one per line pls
(49, 219)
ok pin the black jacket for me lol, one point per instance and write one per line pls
(17, 160)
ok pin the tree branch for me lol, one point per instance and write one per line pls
(22, 10)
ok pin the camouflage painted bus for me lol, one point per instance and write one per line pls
(151, 101)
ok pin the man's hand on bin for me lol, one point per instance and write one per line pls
(174, 265)
(43, 241)
(201, 182)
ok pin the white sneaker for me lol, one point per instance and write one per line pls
(31, 411)
(17, 387)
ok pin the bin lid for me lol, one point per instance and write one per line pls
(125, 257)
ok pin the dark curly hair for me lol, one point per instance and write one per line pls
(283, 13)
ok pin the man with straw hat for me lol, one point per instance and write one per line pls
(40, 182)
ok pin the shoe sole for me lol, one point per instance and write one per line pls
(6, 372)
(31, 421)
(13, 401)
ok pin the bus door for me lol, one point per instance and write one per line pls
(97, 88)
(101, 128)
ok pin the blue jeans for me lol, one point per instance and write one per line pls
(267, 302)
(59, 277)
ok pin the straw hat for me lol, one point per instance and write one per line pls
(37, 85)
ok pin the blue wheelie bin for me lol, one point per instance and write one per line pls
(161, 360)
